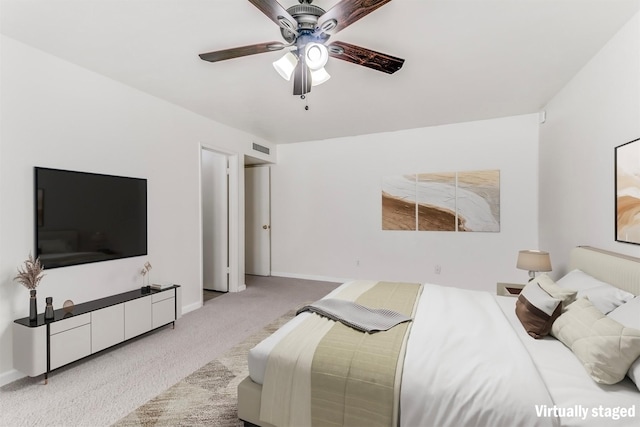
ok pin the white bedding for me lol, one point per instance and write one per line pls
(459, 367)
(569, 384)
(515, 377)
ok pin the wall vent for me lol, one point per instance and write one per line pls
(260, 148)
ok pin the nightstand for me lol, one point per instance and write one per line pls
(509, 289)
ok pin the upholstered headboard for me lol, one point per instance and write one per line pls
(622, 271)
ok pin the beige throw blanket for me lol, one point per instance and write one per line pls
(324, 373)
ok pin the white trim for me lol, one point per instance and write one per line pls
(10, 376)
(235, 247)
(191, 307)
(200, 234)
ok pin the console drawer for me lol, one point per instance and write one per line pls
(164, 312)
(70, 345)
(160, 296)
(70, 323)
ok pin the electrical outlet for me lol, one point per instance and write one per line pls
(437, 269)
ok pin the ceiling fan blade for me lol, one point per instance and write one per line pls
(366, 57)
(301, 79)
(236, 52)
(346, 13)
(277, 14)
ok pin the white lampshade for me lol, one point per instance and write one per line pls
(319, 76)
(316, 56)
(533, 260)
(286, 65)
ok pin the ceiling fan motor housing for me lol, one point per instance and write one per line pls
(306, 15)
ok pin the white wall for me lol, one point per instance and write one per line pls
(58, 115)
(326, 205)
(596, 111)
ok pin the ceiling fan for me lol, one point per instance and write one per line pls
(307, 29)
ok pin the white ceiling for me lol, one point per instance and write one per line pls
(465, 60)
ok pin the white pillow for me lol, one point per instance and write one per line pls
(628, 314)
(566, 295)
(603, 296)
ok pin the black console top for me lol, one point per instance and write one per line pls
(89, 306)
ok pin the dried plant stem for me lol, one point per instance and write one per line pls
(32, 273)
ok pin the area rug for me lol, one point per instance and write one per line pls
(208, 396)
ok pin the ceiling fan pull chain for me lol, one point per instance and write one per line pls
(305, 77)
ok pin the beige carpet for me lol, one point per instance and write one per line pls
(209, 396)
(103, 388)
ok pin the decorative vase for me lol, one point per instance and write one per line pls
(48, 310)
(33, 306)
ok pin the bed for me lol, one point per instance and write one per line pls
(466, 358)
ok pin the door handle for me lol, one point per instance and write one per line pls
(266, 227)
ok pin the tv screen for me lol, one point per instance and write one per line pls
(86, 217)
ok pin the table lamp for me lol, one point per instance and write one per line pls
(533, 260)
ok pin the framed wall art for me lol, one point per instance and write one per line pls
(445, 201)
(627, 188)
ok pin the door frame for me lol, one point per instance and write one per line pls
(235, 236)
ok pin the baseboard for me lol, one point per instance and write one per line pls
(10, 376)
(310, 277)
(191, 307)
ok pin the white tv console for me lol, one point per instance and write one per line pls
(41, 346)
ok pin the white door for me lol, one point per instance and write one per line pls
(258, 221)
(215, 221)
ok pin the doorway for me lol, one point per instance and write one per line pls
(257, 180)
(215, 222)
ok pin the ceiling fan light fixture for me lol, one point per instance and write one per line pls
(319, 76)
(316, 56)
(286, 65)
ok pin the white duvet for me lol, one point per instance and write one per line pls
(469, 362)
(465, 366)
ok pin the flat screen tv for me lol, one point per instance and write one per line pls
(86, 217)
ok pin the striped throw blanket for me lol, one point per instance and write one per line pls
(356, 316)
